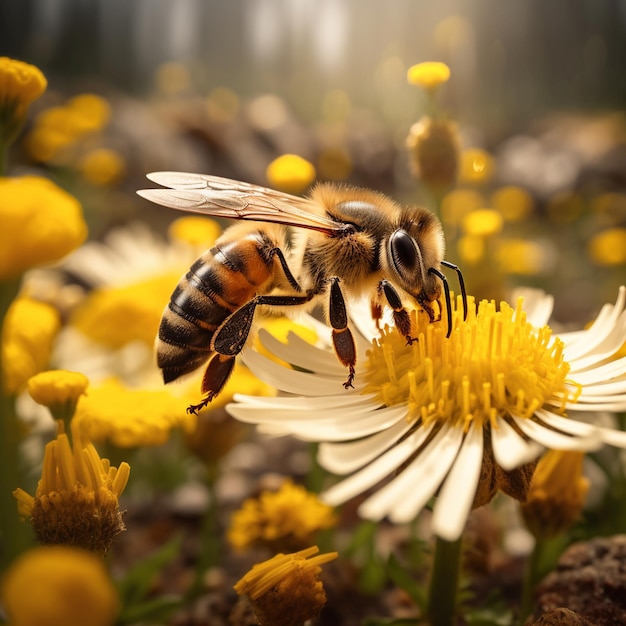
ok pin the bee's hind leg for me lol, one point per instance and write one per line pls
(216, 375)
(343, 341)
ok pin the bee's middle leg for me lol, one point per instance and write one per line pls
(343, 341)
(401, 316)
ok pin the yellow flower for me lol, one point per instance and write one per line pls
(456, 204)
(334, 164)
(117, 315)
(608, 248)
(41, 223)
(130, 417)
(20, 84)
(557, 493)
(523, 257)
(29, 330)
(428, 75)
(76, 502)
(285, 519)
(514, 203)
(286, 589)
(59, 390)
(194, 230)
(476, 166)
(102, 166)
(59, 586)
(483, 223)
(290, 173)
(433, 147)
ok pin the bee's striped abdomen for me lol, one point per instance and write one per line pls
(217, 284)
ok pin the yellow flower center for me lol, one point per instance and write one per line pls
(494, 363)
(290, 173)
(428, 75)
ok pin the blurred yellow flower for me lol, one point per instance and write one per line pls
(557, 493)
(59, 390)
(117, 315)
(520, 256)
(41, 223)
(130, 417)
(222, 105)
(20, 84)
(610, 206)
(284, 519)
(290, 173)
(76, 502)
(59, 586)
(608, 248)
(194, 230)
(58, 128)
(471, 249)
(482, 223)
(456, 204)
(433, 147)
(334, 164)
(429, 74)
(286, 590)
(172, 78)
(514, 203)
(476, 166)
(29, 330)
(102, 166)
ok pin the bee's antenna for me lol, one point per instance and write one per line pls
(446, 290)
(457, 269)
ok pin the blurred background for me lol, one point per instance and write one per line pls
(537, 95)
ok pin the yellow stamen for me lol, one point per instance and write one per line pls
(495, 362)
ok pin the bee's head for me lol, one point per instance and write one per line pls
(413, 248)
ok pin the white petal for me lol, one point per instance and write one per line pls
(406, 494)
(291, 381)
(510, 449)
(304, 403)
(537, 304)
(382, 467)
(454, 501)
(600, 373)
(302, 354)
(569, 426)
(343, 458)
(596, 333)
(605, 344)
(551, 439)
(335, 427)
(616, 386)
(613, 437)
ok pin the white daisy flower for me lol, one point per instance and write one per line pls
(443, 416)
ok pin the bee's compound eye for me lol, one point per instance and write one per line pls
(404, 253)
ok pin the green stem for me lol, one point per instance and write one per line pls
(531, 576)
(442, 594)
(14, 535)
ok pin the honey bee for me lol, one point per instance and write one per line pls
(347, 242)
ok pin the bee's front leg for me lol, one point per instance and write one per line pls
(343, 340)
(401, 316)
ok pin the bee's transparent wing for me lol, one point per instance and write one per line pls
(223, 197)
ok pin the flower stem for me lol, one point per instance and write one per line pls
(442, 594)
(531, 576)
(14, 535)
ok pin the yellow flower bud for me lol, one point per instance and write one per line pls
(433, 147)
(59, 586)
(557, 493)
(428, 75)
(29, 330)
(41, 223)
(194, 230)
(290, 173)
(20, 84)
(102, 167)
(58, 390)
(483, 223)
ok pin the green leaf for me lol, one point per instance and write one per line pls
(135, 586)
